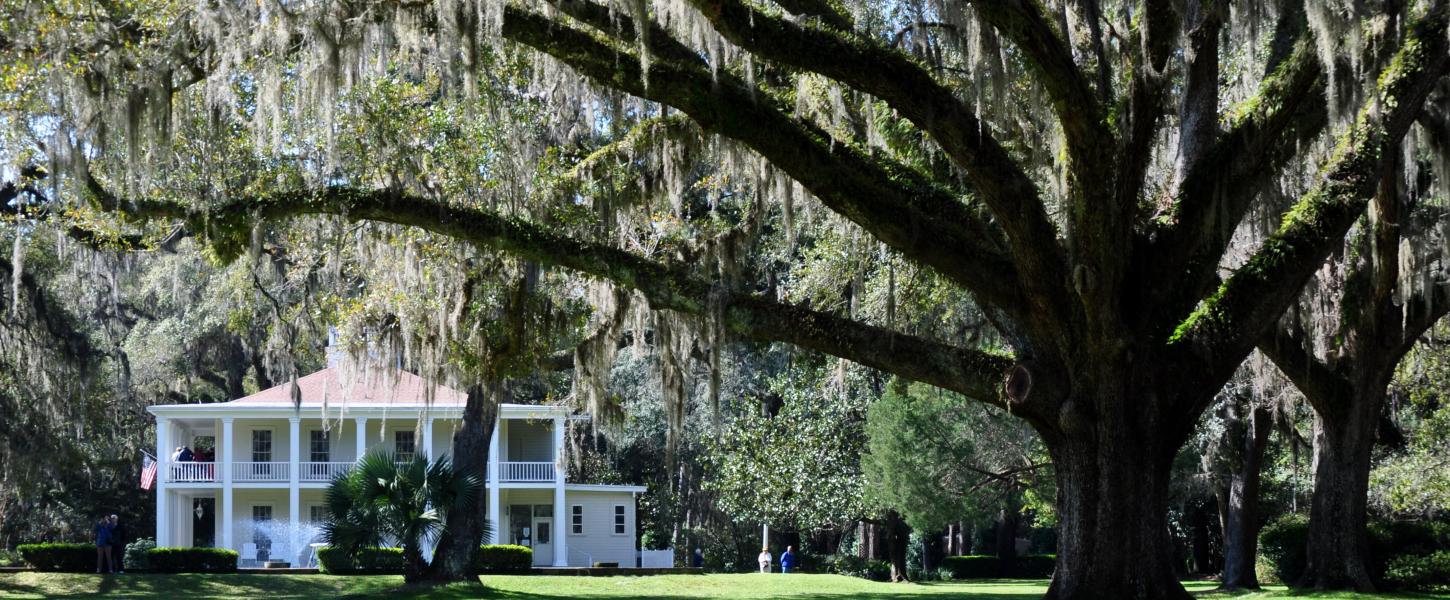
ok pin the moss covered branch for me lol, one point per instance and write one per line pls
(974, 373)
(1230, 321)
(897, 205)
(868, 65)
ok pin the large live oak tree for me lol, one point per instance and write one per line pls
(1121, 322)
(1383, 312)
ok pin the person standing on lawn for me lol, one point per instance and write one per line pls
(104, 563)
(118, 544)
(765, 559)
(787, 560)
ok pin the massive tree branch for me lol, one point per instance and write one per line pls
(893, 203)
(869, 66)
(1227, 324)
(1291, 353)
(1077, 108)
(973, 373)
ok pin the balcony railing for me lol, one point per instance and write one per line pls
(259, 471)
(189, 472)
(323, 471)
(523, 472)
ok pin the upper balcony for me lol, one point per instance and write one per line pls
(325, 472)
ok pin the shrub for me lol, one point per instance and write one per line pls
(367, 561)
(972, 567)
(505, 558)
(135, 555)
(1035, 566)
(1429, 572)
(73, 558)
(1032, 566)
(192, 560)
(1284, 544)
(855, 566)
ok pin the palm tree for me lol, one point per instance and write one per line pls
(382, 501)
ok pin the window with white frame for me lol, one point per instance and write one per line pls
(262, 530)
(261, 445)
(403, 446)
(317, 513)
(576, 519)
(320, 447)
(619, 519)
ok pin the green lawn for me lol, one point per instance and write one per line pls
(662, 587)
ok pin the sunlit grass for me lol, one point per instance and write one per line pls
(659, 587)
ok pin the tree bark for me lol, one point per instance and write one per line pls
(898, 535)
(1241, 515)
(1008, 519)
(1112, 498)
(1202, 545)
(458, 547)
(1338, 541)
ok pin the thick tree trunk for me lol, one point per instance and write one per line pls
(1112, 498)
(1202, 542)
(464, 531)
(898, 535)
(1241, 514)
(1008, 519)
(1338, 541)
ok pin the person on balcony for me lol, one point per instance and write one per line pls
(186, 455)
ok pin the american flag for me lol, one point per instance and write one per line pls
(148, 471)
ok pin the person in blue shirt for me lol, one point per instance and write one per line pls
(104, 562)
(787, 560)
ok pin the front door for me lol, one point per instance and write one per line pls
(543, 541)
(203, 522)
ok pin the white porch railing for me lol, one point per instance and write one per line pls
(323, 471)
(189, 471)
(259, 471)
(526, 471)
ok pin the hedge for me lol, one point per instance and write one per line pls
(377, 561)
(1284, 546)
(1035, 566)
(1427, 573)
(192, 560)
(855, 566)
(73, 558)
(367, 561)
(505, 558)
(972, 567)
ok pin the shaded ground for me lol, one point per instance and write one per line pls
(660, 587)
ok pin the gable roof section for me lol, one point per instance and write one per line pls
(399, 389)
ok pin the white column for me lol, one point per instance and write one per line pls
(163, 473)
(561, 535)
(224, 457)
(362, 437)
(294, 504)
(428, 438)
(492, 484)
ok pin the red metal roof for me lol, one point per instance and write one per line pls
(376, 388)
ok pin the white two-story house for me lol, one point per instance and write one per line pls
(262, 490)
